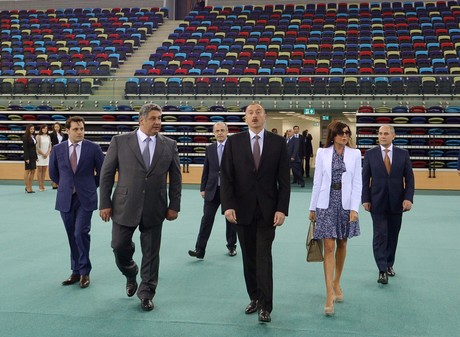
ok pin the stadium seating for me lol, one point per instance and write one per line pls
(57, 42)
(381, 40)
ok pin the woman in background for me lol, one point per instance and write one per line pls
(335, 201)
(43, 151)
(57, 137)
(30, 157)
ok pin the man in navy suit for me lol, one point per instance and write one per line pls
(210, 191)
(75, 166)
(255, 194)
(388, 191)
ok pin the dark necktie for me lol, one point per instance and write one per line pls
(146, 153)
(386, 161)
(73, 158)
(256, 152)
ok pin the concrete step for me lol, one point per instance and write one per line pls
(115, 90)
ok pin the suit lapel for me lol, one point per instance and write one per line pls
(266, 146)
(246, 147)
(395, 160)
(82, 156)
(213, 154)
(67, 155)
(159, 148)
(134, 146)
(328, 160)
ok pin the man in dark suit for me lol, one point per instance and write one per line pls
(210, 191)
(295, 134)
(75, 166)
(255, 193)
(388, 191)
(307, 152)
(293, 144)
(144, 159)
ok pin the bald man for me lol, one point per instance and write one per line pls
(210, 192)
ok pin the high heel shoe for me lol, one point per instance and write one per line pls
(339, 298)
(28, 191)
(329, 311)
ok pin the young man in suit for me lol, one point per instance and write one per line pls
(307, 152)
(210, 192)
(75, 166)
(294, 153)
(144, 160)
(255, 193)
(388, 191)
(299, 138)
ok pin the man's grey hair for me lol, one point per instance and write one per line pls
(391, 127)
(217, 123)
(146, 108)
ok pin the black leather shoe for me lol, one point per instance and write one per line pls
(71, 280)
(131, 286)
(252, 307)
(383, 277)
(391, 272)
(199, 254)
(231, 251)
(84, 281)
(264, 316)
(146, 304)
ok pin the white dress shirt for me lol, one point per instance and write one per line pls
(141, 140)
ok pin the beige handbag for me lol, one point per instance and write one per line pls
(314, 246)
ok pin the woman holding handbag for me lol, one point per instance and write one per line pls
(334, 205)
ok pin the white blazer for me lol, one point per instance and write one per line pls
(351, 179)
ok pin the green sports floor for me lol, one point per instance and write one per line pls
(207, 298)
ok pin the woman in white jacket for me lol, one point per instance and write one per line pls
(334, 205)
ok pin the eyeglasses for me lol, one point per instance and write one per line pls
(341, 133)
